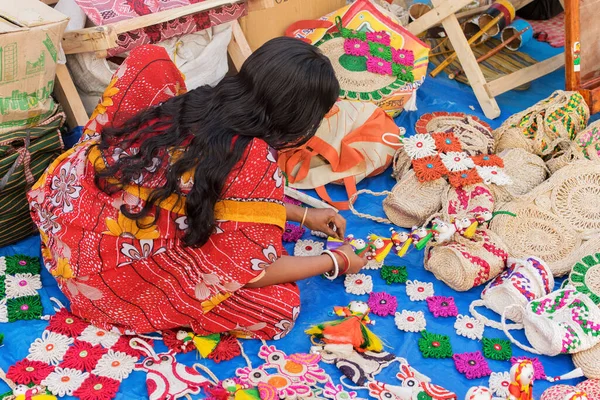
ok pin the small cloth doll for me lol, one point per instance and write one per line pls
(359, 245)
(521, 375)
(352, 329)
(401, 241)
(378, 248)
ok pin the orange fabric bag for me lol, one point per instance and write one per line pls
(355, 140)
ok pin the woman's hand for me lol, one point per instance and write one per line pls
(323, 220)
(356, 262)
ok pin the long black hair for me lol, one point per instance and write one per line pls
(280, 95)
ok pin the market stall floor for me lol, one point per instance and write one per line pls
(319, 296)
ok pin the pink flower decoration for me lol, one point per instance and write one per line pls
(472, 365)
(381, 37)
(356, 47)
(292, 233)
(441, 306)
(379, 66)
(540, 373)
(382, 303)
(403, 57)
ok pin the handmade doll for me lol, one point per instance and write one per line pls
(378, 248)
(521, 386)
(479, 393)
(359, 245)
(401, 241)
(466, 226)
(22, 392)
(351, 329)
(443, 231)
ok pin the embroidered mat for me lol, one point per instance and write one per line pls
(551, 31)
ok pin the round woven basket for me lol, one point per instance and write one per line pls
(541, 127)
(475, 135)
(585, 274)
(526, 171)
(589, 362)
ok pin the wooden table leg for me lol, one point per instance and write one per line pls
(239, 49)
(69, 99)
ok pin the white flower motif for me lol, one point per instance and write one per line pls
(419, 146)
(154, 166)
(410, 321)
(2, 265)
(278, 178)
(286, 325)
(358, 284)
(272, 155)
(271, 255)
(145, 251)
(457, 161)
(182, 223)
(3, 311)
(307, 248)
(66, 189)
(19, 285)
(64, 381)
(373, 264)
(493, 174)
(48, 221)
(95, 336)
(469, 327)
(419, 291)
(499, 383)
(115, 365)
(50, 348)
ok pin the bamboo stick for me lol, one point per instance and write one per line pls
(473, 39)
(306, 199)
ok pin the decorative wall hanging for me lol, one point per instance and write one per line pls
(472, 365)
(19, 285)
(419, 291)
(308, 248)
(410, 321)
(382, 303)
(421, 386)
(469, 327)
(433, 345)
(358, 284)
(392, 274)
(497, 349)
(441, 306)
(299, 368)
(499, 383)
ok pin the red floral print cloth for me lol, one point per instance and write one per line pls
(142, 278)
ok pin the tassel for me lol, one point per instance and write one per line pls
(411, 104)
(470, 231)
(405, 248)
(576, 373)
(206, 344)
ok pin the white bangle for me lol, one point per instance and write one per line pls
(328, 275)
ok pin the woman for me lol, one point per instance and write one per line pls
(170, 213)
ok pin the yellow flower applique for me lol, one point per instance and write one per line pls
(214, 301)
(130, 228)
(63, 269)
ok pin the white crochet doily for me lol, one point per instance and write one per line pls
(419, 291)
(307, 248)
(358, 284)
(469, 327)
(410, 321)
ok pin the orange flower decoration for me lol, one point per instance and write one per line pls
(446, 142)
(488, 160)
(106, 100)
(464, 178)
(429, 168)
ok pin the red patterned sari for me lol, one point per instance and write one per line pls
(140, 277)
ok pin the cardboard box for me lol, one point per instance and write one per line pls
(261, 25)
(30, 36)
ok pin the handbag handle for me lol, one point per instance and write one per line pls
(489, 322)
(510, 337)
(24, 157)
(349, 183)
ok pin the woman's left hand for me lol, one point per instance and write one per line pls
(323, 220)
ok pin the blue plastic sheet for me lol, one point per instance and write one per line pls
(319, 295)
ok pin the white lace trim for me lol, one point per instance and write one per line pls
(50, 348)
(19, 285)
(410, 321)
(307, 248)
(469, 327)
(64, 381)
(115, 365)
(419, 291)
(3, 311)
(358, 284)
(95, 336)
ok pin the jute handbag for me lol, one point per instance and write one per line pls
(556, 218)
(24, 156)
(540, 128)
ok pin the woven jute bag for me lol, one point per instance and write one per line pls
(556, 218)
(465, 263)
(589, 362)
(541, 127)
(585, 274)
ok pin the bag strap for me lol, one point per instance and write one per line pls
(24, 158)
(367, 216)
(510, 337)
(349, 183)
(489, 322)
(307, 24)
(301, 156)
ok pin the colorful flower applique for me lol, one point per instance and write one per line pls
(472, 365)
(410, 321)
(392, 274)
(358, 284)
(307, 248)
(463, 178)
(497, 349)
(433, 345)
(441, 306)
(380, 37)
(64, 381)
(499, 383)
(337, 392)
(95, 336)
(457, 161)
(382, 303)
(115, 365)
(97, 387)
(356, 47)
(419, 291)
(469, 327)
(292, 232)
(403, 57)
(429, 168)
(419, 146)
(50, 348)
(373, 265)
(488, 160)
(300, 368)
(446, 142)
(19, 285)
(26, 372)
(83, 356)
(227, 349)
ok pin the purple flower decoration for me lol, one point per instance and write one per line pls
(379, 66)
(441, 306)
(403, 57)
(382, 303)
(472, 365)
(380, 37)
(540, 373)
(356, 47)
(292, 233)
(290, 200)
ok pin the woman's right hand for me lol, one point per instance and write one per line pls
(356, 262)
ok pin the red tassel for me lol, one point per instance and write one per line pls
(227, 349)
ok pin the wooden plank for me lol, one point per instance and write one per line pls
(239, 49)
(469, 63)
(511, 81)
(90, 39)
(436, 15)
(471, 12)
(69, 99)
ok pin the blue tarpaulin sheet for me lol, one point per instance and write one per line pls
(319, 296)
